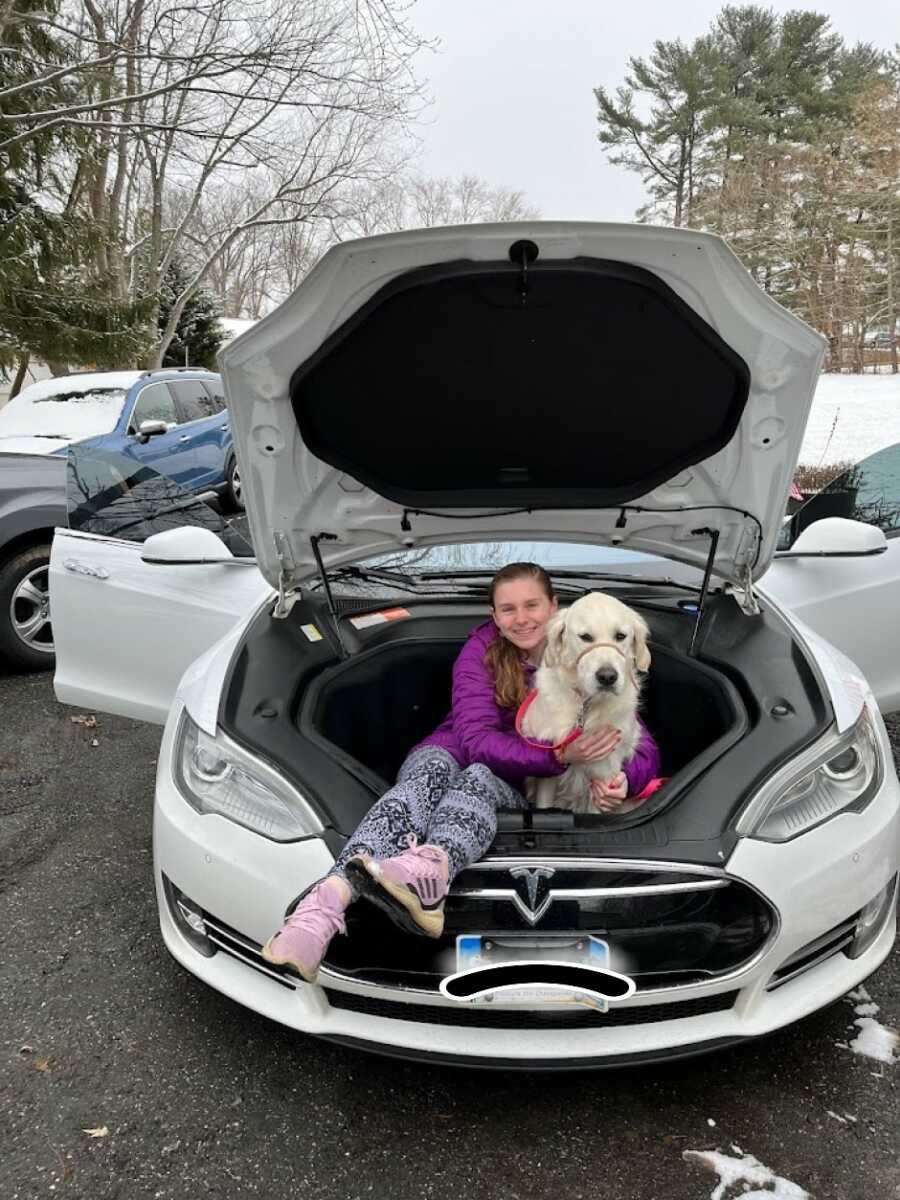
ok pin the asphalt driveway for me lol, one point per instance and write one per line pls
(122, 1076)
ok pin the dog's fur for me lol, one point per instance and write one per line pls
(572, 673)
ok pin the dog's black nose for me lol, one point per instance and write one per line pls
(606, 676)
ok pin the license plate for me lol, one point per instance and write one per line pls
(483, 950)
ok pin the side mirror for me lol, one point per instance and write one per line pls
(189, 545)
(837, 537)
(148, 429)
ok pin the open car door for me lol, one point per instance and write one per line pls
(852, 601)
(131, 614)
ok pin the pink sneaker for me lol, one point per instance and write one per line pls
(303, 939)
(410, 887)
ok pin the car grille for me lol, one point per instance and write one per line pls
(665, 927)
(815, 952)
(484, 1017)
(418, 965)
(229, 941)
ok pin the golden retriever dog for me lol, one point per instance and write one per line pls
(588, 678)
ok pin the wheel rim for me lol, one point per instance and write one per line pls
(29, 610)
(236, 483)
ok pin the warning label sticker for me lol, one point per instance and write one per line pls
(378, 618)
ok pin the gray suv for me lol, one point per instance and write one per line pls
(32, 504)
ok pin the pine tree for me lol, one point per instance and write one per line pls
(199, 333)
(679, 83)
(52, 303)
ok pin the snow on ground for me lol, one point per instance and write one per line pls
(746, 1171)
(852, 416)
(874, 1040)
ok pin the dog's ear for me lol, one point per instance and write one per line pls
(556, 632)
(641, 653)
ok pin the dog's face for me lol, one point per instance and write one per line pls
(601, 641)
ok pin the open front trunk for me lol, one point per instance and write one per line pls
(374, 707)
(676, 928)
(340, 725)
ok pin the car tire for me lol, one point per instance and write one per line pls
(234, 497)
(26, 636)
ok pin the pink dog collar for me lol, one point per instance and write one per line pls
(520, 717)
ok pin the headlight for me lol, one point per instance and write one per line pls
(840, 775)
(215, 775)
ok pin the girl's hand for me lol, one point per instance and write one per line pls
(591, 747)
(608, 794)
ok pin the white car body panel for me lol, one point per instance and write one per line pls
(243, 881)
(854, 603)
(291, 495)
(126, 630)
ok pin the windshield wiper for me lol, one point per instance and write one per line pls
(372, 575)
(610, 577)
(418, 584)
(572, 573)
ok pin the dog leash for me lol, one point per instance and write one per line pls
(567, 740)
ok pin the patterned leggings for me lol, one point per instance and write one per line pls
(441, 803)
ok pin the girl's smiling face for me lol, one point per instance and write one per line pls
(521, 611)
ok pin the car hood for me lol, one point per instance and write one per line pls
(615, 384)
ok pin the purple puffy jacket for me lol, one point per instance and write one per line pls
(477, 730)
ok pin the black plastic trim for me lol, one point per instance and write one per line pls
(646, 1058)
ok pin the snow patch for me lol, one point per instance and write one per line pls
(32, 445)
(866, 1010)
(64, 384)
(747, 1171)
(69, 408)
(235, 326)
(874, 1040)
(851, 417)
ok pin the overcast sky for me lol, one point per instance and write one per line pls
(512, 82)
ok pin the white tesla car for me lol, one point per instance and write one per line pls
(423, 405)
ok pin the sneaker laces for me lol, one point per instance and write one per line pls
(430, 853)
(319, 912)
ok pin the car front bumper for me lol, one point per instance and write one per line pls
(241, 883)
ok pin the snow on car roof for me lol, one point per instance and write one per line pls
(65, 384)
(71, 407)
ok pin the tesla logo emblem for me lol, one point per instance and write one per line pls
(532, 895)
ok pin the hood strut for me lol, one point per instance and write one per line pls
(713, 535)
(342, 650)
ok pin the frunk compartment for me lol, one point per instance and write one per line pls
(377, 705)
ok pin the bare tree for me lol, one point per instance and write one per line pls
(413, 201)
(175, 108)
(269, 261)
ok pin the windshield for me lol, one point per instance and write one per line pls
(69, 409)
(438, 569)
(118, 496)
